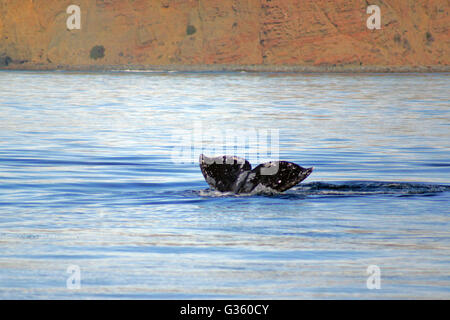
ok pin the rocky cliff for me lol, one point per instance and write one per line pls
(314, 33)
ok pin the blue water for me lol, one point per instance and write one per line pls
(88, 178)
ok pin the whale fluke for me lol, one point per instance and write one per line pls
(234, 174)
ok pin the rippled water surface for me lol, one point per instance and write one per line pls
(89, 177)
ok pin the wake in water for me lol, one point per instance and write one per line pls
(259, 190)
(350, 188)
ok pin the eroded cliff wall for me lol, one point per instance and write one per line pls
(34, 33)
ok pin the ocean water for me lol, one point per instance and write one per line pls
(101, 196)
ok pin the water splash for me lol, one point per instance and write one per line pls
(349, 188)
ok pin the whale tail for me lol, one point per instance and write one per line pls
(224, 173)
(234, 174)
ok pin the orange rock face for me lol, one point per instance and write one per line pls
(224, 32)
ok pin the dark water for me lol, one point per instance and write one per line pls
(88, 178)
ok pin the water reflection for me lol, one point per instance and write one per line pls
(86, 178)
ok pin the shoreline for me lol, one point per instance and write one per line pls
(233, 68)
